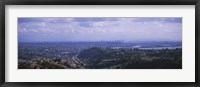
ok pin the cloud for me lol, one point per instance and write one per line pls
(75, 29)
(161, 20)
(22, 20)
(85, 24)
(94, 19)
(173, 20)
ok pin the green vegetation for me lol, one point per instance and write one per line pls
(132, 58)
(100, 58)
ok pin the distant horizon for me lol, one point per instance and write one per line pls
(99, 29)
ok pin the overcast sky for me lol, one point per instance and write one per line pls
(99, 29)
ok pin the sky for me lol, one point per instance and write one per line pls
(99, 29)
